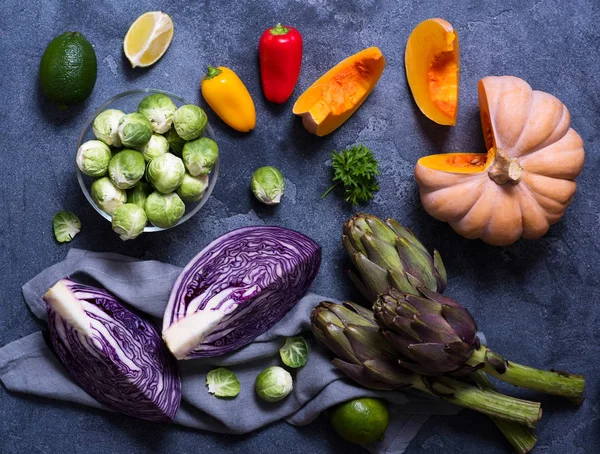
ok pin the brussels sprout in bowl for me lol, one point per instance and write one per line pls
(105, 130)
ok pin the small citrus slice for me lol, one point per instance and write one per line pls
(148, 38)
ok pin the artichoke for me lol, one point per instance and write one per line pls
(363, 354)
(433, 335)
(387, 255)
(350, 331)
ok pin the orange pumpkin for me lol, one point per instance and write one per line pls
(525, 181)
(336, 95)
(432, 69)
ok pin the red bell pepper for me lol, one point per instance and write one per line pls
(280, 55)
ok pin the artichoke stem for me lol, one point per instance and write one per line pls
(521, 437)
(487, 402)
(553, 382)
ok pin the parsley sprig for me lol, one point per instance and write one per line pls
(356, 169)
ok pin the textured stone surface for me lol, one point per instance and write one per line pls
(537, 301)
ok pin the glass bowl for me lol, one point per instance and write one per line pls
(128, 102)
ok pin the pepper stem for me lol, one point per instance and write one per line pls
(553, 382)
(212, 72)
(279, 30)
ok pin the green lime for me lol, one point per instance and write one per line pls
(360, 421)
(68, 69)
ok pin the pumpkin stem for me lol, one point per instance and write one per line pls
(505, 169)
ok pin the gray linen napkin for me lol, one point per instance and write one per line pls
(146, 285)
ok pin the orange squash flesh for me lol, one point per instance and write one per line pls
(336, 95)
(458, 162)
(433, 68)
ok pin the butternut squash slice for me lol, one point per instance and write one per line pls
(432, 69)
(336, 95)
(525, 181)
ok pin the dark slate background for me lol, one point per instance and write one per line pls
(537, 301)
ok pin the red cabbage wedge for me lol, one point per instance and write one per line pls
(237, 288)
(116, 356)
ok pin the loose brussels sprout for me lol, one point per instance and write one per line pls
(65, 225)
(200, 156)
(106, 127)
(129, 221)
(273, 384)
(166, 172)
(106, 195)
(190, 121)
(267, 185)
(164, 210)
(134, 130)
(192, 188)
(159, 110)
(93, 157)
(139, 193)
(126, 168)
(176, 143)
(156, 146)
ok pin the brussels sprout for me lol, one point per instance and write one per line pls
(65, 225)
(106, 127)
(267, 185)
(159, 110)
(106, 195)
(190, 121)
(126, 168)
(273, 384)
(176, 143)
(166, 172)
(139, 193)
(156, 146)
(192, 188)
(93, 157)
(129, 221)
(164, 210)
(134, 130)
(200, 156)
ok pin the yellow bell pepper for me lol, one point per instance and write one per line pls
(227, 95)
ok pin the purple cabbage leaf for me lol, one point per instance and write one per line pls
(113, 354)
(237, 288)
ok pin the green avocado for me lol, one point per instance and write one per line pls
(68, 69)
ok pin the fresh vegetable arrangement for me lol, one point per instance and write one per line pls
(148, 164)
(141, 177)
(412, 329)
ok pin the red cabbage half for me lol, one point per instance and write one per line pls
(116, 356)
(237, 288)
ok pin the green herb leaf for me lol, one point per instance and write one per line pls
(66, 225)
(222, 383)
(294, 352)
(357, 169)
